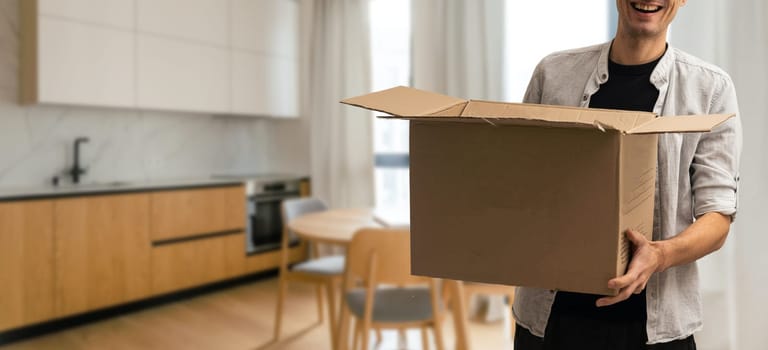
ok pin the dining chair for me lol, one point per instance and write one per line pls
(325, 272)
(475, 288)
(379, 291)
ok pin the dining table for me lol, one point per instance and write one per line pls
(337, 226)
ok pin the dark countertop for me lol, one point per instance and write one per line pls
(107, 188)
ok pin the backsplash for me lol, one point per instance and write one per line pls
(36, 142)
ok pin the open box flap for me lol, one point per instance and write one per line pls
(547, 115)
(687, 123)
(409, 102)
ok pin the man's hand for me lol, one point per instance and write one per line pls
(647, 258)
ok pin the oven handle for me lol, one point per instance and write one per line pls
(271, 197)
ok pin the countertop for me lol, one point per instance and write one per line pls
(88, 189)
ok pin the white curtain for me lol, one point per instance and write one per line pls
(338, 66)
(733, 35)
(458, 47)
(457, 50)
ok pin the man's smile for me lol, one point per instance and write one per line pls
(646, 8)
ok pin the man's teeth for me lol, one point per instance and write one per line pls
(648, 8)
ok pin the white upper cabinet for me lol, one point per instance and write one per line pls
(266, 26)
(177, 75)
(207, 56)
(117, 13)
(265, 37)
(85, 65)
(264, 85)
(204, 21)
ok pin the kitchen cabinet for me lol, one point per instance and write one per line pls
(203, 56)
(185, 264)
(112, 13)
(199, 237)
(264, 85)
(26, 263)
(102, 251)
(265, 60)
(78, 63)
(80, 253)
(266, 26)
(198, 21)
(190, 213)
(182, 76)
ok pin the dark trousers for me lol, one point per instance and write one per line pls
(567, 332)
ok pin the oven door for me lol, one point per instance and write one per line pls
(265, 220)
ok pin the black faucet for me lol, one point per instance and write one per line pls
(76, 170)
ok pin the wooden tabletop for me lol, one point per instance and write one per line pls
(336, 226)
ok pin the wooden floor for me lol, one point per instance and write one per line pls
(238, 318)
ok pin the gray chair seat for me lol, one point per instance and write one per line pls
(393, 304)
(327, 265)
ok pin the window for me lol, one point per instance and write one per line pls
(390, 46)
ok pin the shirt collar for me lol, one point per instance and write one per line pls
(659, 76)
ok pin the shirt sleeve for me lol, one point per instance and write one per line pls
(533, 92)
(715, 166)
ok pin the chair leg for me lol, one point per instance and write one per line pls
(356, 337)
(438, 332)
(331, 291)
(424, 339)
(445, 293)
(281, 290)
(320, 303)
(342, 339)
(512, 322)
(378, 336)
(366, 331)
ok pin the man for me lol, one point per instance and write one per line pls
(659, 306)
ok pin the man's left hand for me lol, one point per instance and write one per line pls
(646, 259)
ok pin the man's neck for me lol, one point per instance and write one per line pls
(632, 51)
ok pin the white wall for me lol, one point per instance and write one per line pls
(36, 141)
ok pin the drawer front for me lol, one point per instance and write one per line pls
(197, 262)
(189, 213)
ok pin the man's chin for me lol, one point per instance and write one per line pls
(645, 32)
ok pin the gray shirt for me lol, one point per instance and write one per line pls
(697, 173)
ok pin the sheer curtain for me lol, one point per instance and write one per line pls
(458, 47)
(338, 66)
(733, 35)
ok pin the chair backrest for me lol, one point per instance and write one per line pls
(295, 207)
(389, 250)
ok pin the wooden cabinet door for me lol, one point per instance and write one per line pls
(181, 265)
(197, 212)
(102, 251)
(26, 263)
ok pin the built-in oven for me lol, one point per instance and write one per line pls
(265, 222)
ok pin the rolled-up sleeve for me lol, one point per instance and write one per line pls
(715, 166)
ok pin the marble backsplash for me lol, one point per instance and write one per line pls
(36, 142)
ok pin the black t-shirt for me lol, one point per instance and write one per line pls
(627, 88)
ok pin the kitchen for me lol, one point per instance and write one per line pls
(215, 104)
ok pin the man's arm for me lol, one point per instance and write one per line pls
(704, 236)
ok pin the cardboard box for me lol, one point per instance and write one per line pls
(527, 195)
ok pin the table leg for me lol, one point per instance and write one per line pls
(459, 309)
